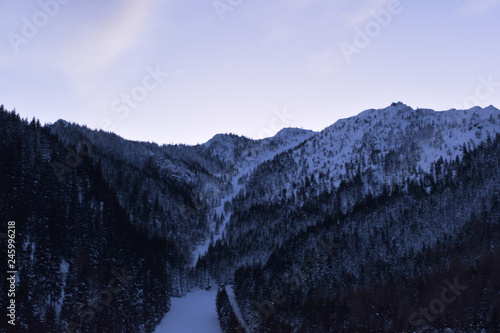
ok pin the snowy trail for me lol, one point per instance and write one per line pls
(193, 313)
(236, 308)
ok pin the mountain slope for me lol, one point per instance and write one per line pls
(378, 150)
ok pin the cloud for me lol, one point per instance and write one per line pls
(100, 45)
(477, 7)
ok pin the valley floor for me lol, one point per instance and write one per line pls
(193, 313)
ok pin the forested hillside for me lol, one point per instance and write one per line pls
(82, 265)
(376, 266)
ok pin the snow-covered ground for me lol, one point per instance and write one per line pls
(194, 313)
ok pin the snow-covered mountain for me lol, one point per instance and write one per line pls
(240, 211)
(390, 152)
(384, 146)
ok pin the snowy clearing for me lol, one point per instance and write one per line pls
(194, 313)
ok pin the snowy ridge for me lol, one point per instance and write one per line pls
(389, 144)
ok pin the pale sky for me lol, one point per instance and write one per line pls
(173, 71)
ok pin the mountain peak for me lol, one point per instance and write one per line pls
(223, 138)
(491, 108)
(399, 105)
(292, 131)
(394, 108)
